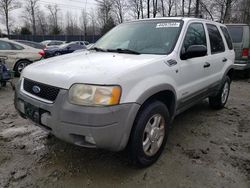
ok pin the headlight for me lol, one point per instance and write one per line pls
(92, 95)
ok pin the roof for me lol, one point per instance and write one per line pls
(178, 18)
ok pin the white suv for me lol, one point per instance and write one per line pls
(126, 90)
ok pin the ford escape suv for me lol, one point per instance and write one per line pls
(125, 91)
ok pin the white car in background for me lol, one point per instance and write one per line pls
(18, 55)
(48, 43)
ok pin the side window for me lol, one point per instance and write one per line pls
(17, 47)
(5, 45)
(227, 37)
(195, 36)
(215, 38)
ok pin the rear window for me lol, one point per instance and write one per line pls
(236, 33)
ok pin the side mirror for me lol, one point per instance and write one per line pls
(194, 51)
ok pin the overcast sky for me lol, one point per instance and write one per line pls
(73, 6)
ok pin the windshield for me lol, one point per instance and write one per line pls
(145, 37)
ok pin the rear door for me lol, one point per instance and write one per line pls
(218, 56)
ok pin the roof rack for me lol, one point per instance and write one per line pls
(190, 15)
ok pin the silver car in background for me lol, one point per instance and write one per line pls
(18, 55)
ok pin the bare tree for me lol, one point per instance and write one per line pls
(155, 7)
(70, 24)
(6, 6)
(119, 7)
(197, 8)
(135, 6)
(183, 7)
(42, 25)
(207, 9)
(84, 22)
(31, 8)
(148, 8)
(170, 6)
(141, 8)
(189, 7)
(163, 8)
(105, 10)
(54, 11)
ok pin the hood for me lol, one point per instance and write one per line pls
(86, 67)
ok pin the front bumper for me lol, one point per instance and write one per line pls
(109, 127)
(241, 65)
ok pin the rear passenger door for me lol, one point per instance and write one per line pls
(218, 56)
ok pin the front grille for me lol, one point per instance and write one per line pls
(46, 91)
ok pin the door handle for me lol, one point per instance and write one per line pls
(206, 65)
(224, 59)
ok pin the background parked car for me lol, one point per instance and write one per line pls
(18, 55)
(32, 44)
(240, 34)
(52, 43)
(62, 49)
(84, 43)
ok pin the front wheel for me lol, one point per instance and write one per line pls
(219, 101)
(20, 65)
(149, 134)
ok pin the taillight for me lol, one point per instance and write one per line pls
(42, 53)
(245, 53)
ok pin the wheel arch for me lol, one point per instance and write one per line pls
(164, 93)
(229, 72)
(19, 61)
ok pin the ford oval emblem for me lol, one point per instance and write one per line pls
(36, 89)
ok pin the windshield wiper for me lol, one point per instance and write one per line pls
(123, 50)
(98, 49)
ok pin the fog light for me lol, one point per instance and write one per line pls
(90, 140)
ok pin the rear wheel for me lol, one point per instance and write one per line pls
(57, 53)
(219, 101)
(247, 73)
(149, 134)
(20, 65)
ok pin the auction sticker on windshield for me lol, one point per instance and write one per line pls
(169, 24)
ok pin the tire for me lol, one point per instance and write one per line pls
(20, 65)
(57, 54)
(247, 73)
(143, 156)
(3, 84)
(219, 101)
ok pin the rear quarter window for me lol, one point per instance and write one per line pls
(236, 33)
(227, 37)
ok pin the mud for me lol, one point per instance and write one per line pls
(206, 148)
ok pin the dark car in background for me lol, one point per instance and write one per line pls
(32, 44)
(62, 49)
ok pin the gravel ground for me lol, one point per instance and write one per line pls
(206, 148)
